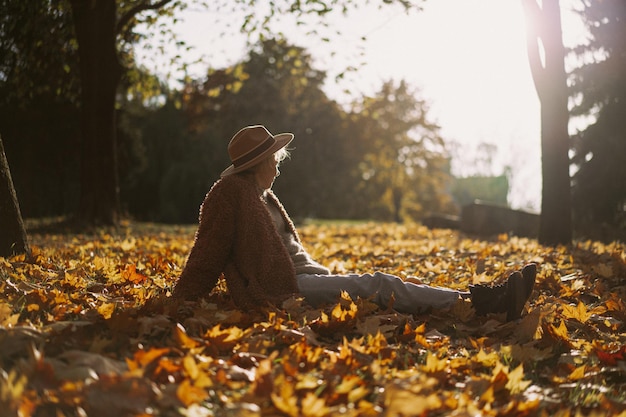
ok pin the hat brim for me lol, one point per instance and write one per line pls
(282, 140)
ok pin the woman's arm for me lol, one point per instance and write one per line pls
(211, 250)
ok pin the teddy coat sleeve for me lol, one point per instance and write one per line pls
(212, 247)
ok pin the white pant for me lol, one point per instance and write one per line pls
(409, 298)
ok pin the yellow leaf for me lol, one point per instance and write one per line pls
(487, 359)
(308, 381)
(400, 402)
(128, 244)
(516, 382)
(312, 406)
(357, 394)
(190, 366)
(223, 338)
(203, 380)
(189, 394)
(560, 332)
(106, 310)
(579, 312)
(6, 318)
(348, 383)
(578, 373)
(285, 399)
(183, 340)
(12, 385)
(35, 307)
(143, 358)
(434, 364)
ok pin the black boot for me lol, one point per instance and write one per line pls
(489, 299)
(509, 297)
(529, 272)
(520, 290)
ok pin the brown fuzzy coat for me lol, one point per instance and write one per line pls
(237, 237)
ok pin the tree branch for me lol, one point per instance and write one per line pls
(533, 38)
(126, 17)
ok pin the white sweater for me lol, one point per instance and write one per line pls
(302, 261)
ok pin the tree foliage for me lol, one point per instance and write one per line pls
(47, 86)
(278, 86)
(599, 88)
(39, 95)
(405, 160)
(38, 53)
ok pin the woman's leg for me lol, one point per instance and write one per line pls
(379, 287)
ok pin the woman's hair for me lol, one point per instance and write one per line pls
(278, 156)
(281, 155)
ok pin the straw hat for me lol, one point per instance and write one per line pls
(251, 145)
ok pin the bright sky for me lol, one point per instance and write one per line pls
(467, 57)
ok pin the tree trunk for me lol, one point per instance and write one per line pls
(13, 236)
(100, 73)
(544, 28)
(396, 195)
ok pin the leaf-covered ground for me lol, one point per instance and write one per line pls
(87, 329)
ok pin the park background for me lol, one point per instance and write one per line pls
(451, 117)
(468, 60)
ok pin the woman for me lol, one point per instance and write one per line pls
(246, 234)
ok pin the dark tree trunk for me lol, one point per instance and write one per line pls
(397, 195)
(13, 238)
(100, 73)
(544, 28)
